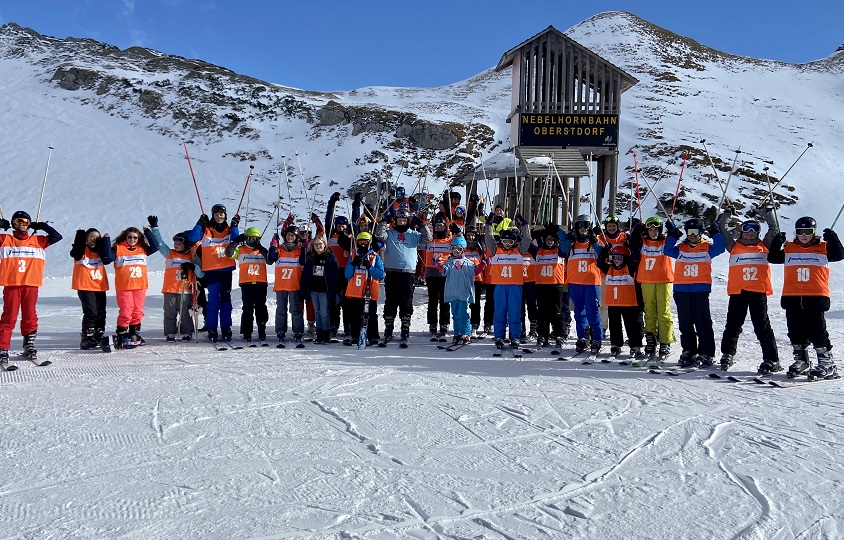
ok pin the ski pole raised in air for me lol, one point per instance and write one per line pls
(677, 191)
(718, 178)
(771, 194)
(246, 185)
(196, 187)
(809, 145)
(44, 184)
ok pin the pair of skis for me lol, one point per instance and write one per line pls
(777, 383)
(514, 353)
(33, 359)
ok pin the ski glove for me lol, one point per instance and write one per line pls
(335, 196)
(4, 224)
(356, 261)
(454, 229)
(235, 220)
(358, 197)
(829, 235)
(416, 221)
(780, 239)
(203, 220)
(571, 235)
(490, 218)
(520, 220)
(713, 229)
(366, 263)
(188, 267)
(474, 198)
(153, 221)
(37, 226)
(240, 239)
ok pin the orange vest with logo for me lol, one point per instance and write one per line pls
(582, 268)
(506, 267)
(551, 267)
(288, 272)
(619, 240)
(620, 288)
(749, 269)
(694, 265)
(174, 279)
(437, 246)
(130, 268)
(806, 270)
(252, 266)
(654, 266)
(359, 280)
(89, 273)
(214, 246)
(475, 257)
(528, 269)
(22, 261)
(340, 254)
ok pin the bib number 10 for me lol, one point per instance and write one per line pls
(803, 274)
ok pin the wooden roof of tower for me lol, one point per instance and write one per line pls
(627, 80)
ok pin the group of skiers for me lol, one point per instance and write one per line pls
(620, 279)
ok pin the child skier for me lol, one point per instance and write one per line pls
(459, 292)
(656, 274)
(177, 287)
(437, 248)
(584, 279)
(550, 281)
(131, 249)
(21, 274)
(474, 252)
(251, 259)
(506, 274)
(320, 278)
(620, 299)
(91, 252)
(341, 241)
(806, 295)
(692, 285)
(289, 259)
(364, 272)
(215, 235)
(748, 286)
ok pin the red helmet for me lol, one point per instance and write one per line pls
(624, 251)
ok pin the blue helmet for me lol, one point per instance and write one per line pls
(400, 192)
(458, 241)
(341, 220)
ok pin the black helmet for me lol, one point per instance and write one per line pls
(291, 229)
(611, 219)
(805, 222)
(20, 214)
(509, 234)
(181, 237)
(401, 213)
(694, 223)
(219, 207)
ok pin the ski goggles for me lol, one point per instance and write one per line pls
(692, 232)
(750, 227)
(617, 258)
(653, 225)
(20, 221)
(805, 232)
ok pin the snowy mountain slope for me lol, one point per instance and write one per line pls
(116, 119)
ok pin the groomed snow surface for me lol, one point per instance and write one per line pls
(181, 441)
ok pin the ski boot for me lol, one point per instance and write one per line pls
(664, 351)
(636, 353)
(457, 339)
(704, 360)
(312, 328)
(801, 365)
(248, 339)
(615, 351)
(581, 345)
(4, 361)
(212, 335)
(488, 330)
(186, 337)
(388, 329)
(688, 359)
(122, 340)
(499, 344)
(515, 344)
(432, 329)
(170, 337)
(135, 336)
(297, 339)
(333, 331)
(650, 344)
(227, 333)
(826, 368)
(474, 334)
(523, 337)
(262, 333)
(768, 367)
(87, 341)
(596, 347)
(532, 333)
(405, 331)
(541, 342)
(726, 361)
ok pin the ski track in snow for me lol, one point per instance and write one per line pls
(181, 441)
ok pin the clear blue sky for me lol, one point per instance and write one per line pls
(346, 44)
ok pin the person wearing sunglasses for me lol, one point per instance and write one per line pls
(806, 294)
(655, 272)
(692, 285)
(91, 253)
(584, 278)
(131, 249)
(748, 286)
(21, 274)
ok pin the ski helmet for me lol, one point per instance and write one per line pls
(582, 222)
(751, 225)
(400, 192)
(458, 241)
(694, 223)
(291, 229)
(219, 207)
(361, 238)
(439, 220)
(460, 211)
(509, 234)
(469, 229)
(610, 219)
(653, 221)
(20, 214)
(401, 213)
(341, 220)
(624, 251)
(253, 232)
(806, 222)
(455, 195)
(181, 237)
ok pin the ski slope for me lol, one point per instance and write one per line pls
(182, 441)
